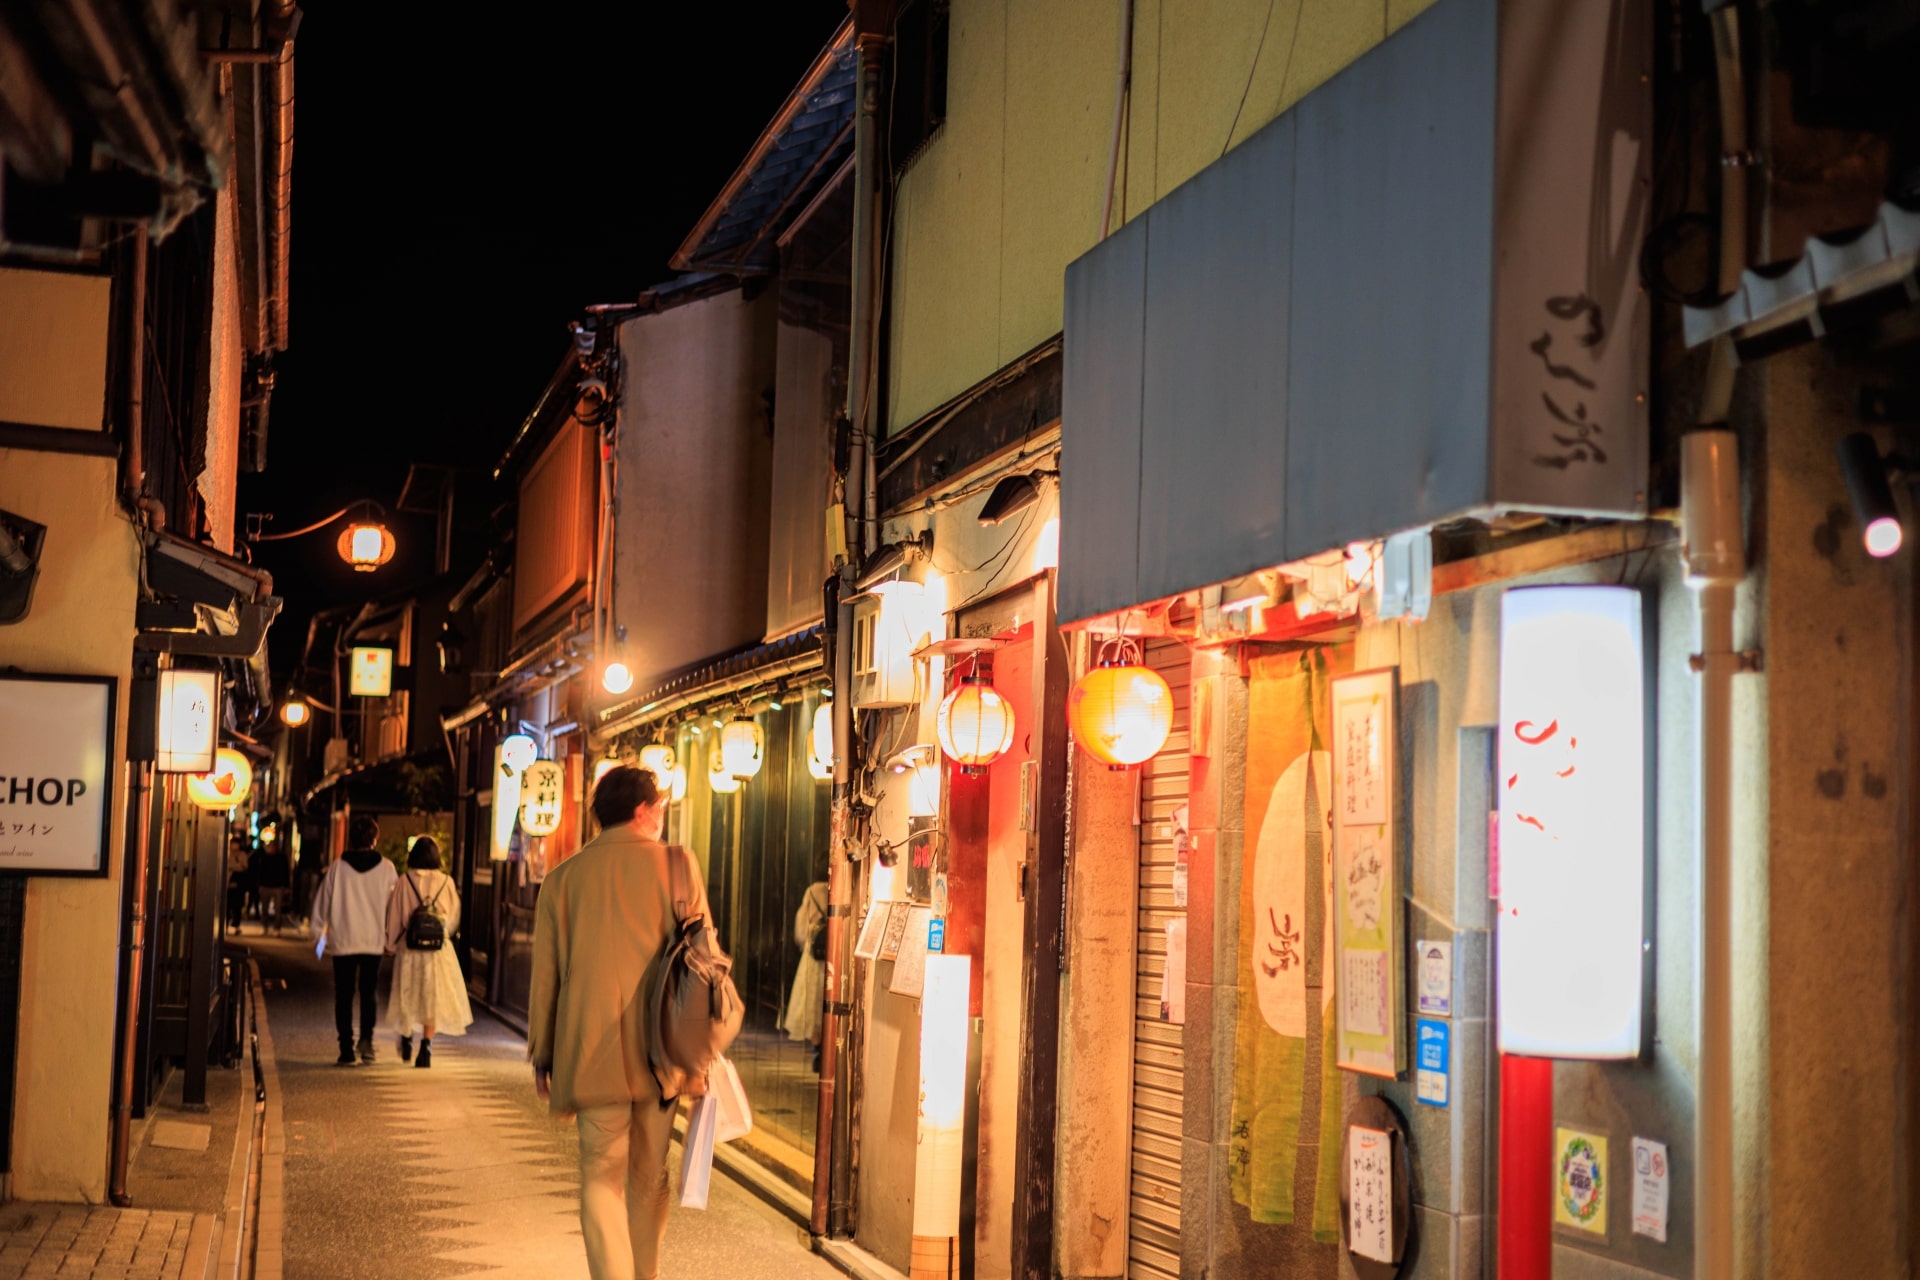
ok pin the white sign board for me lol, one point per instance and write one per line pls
(1370, 1193)
(370, 672)
(1650, 1189)
(56, 753)
(1572, 831)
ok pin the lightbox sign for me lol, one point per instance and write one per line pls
(186, 730)
(542, 784)
(1572, 828)
(370, 672)
(56, 747)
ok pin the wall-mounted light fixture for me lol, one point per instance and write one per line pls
(1866, 472)
(187, 729)
(617, 677)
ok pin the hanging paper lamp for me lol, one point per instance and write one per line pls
(974, 724)
(366, 545)
(741, 743)
(1121, 711)
(821, 739)
(517, 751)
(719, 779)
(225, 785)
(819, 769)
(678, 789)
(659, 759)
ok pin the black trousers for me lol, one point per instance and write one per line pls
(350, 972)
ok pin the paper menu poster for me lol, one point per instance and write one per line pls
(1367, 900)
(910, 966)
(1370, 1193)
(871, 933)
(896, 929)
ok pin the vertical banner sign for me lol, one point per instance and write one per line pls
(56, 751)
(1370, 1192)
(1366, 892)
(939, 1153)
(1572, 823)
(542, 784)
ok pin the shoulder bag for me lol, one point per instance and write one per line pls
(693, 1010)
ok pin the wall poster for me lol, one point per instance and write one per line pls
(1366, 916)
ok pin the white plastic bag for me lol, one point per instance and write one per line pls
(696, 1156)
(736, 1117)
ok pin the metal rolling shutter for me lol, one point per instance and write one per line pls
(1153, 1219)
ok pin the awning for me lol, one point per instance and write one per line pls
(1412, 298)
(796, 654)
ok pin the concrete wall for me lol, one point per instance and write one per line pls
(1011, 188)
(691, 532)
(81, 622)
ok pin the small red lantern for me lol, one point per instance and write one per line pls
(974, 724)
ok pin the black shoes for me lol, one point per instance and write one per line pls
(406, 1049)
(366, 1050)
(346, 1059)
(426, 1054)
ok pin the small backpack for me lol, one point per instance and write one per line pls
(694, 1011)
(425, 930)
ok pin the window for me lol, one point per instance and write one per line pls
(919, 78)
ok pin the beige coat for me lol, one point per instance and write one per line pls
(604, 918)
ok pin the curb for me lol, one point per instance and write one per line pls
(253, 1231)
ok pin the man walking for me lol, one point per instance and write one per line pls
(350, 910)
(604, 918)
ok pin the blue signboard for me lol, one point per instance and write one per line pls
(936, 936)
(1431, 1061)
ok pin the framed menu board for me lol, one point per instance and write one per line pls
(1366, 923)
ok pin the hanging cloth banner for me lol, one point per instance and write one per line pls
(1283, 927)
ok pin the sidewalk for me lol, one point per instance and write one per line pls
(103, 1243)
(394, 1172)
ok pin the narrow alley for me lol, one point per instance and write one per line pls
(457, 1170)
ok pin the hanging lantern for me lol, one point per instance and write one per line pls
(294, 712)
(517, 751)
(366, 545)
(1121, 711)
(821, 738)
(601, 768)
(740, 747)
(658, 759)
(974, 724)
(819, 769)
(679, 788)
(542, 784)
(617, 677)
(225, 785)
(719, 779)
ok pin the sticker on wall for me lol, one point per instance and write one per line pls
(1580, 1181)
(1173, 980)
(1431, 1061)
(1436, 978)
(1651, 1189)
(1182, 855)
(1367, 892)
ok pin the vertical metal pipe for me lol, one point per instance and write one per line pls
(139, 834)
(136, 340)
(1716, 561)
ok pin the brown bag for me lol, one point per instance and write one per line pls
(695, 1010)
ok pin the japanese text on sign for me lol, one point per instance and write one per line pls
(1370, 1193)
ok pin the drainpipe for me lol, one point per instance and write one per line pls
(833, 1158)
(136, 477)
(1715, 556)
(139, 832)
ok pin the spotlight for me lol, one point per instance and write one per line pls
(1865, 472)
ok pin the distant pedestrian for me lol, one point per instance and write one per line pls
(805, 1003)
(350, 910)
(428, 993)
(239, 884)
(604, 917)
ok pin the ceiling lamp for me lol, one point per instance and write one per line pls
(974, 723)
(225, 785)
(718, 779)
(1121, 711)
(366, 545)
(295, 712)
(741, 747)
(658, 759)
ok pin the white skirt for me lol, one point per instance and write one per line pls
(428, 991)
(802, 1021)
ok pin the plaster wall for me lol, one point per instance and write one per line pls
(81, 622)
(1010, 189)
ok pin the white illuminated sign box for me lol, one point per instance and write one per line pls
(1572, 803)
(187, 727)
(370, 672)
(56, 754)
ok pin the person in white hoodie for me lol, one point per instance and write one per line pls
(350, 910)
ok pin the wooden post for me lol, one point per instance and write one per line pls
(1045, 880)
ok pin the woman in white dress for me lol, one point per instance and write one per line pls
(429, 995)
(804, 1003)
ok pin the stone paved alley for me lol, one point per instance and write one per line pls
(456, 1171)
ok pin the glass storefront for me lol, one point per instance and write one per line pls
(764, 845)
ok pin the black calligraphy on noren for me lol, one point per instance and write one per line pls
(1575, 433)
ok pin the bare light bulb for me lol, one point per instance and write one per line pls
(1883, 537)
(617, 678)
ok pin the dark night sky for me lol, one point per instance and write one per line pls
(463, 186)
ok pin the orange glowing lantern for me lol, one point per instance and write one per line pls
(974, 724)
(226, 785)
(1122, 710)
(366, 545)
